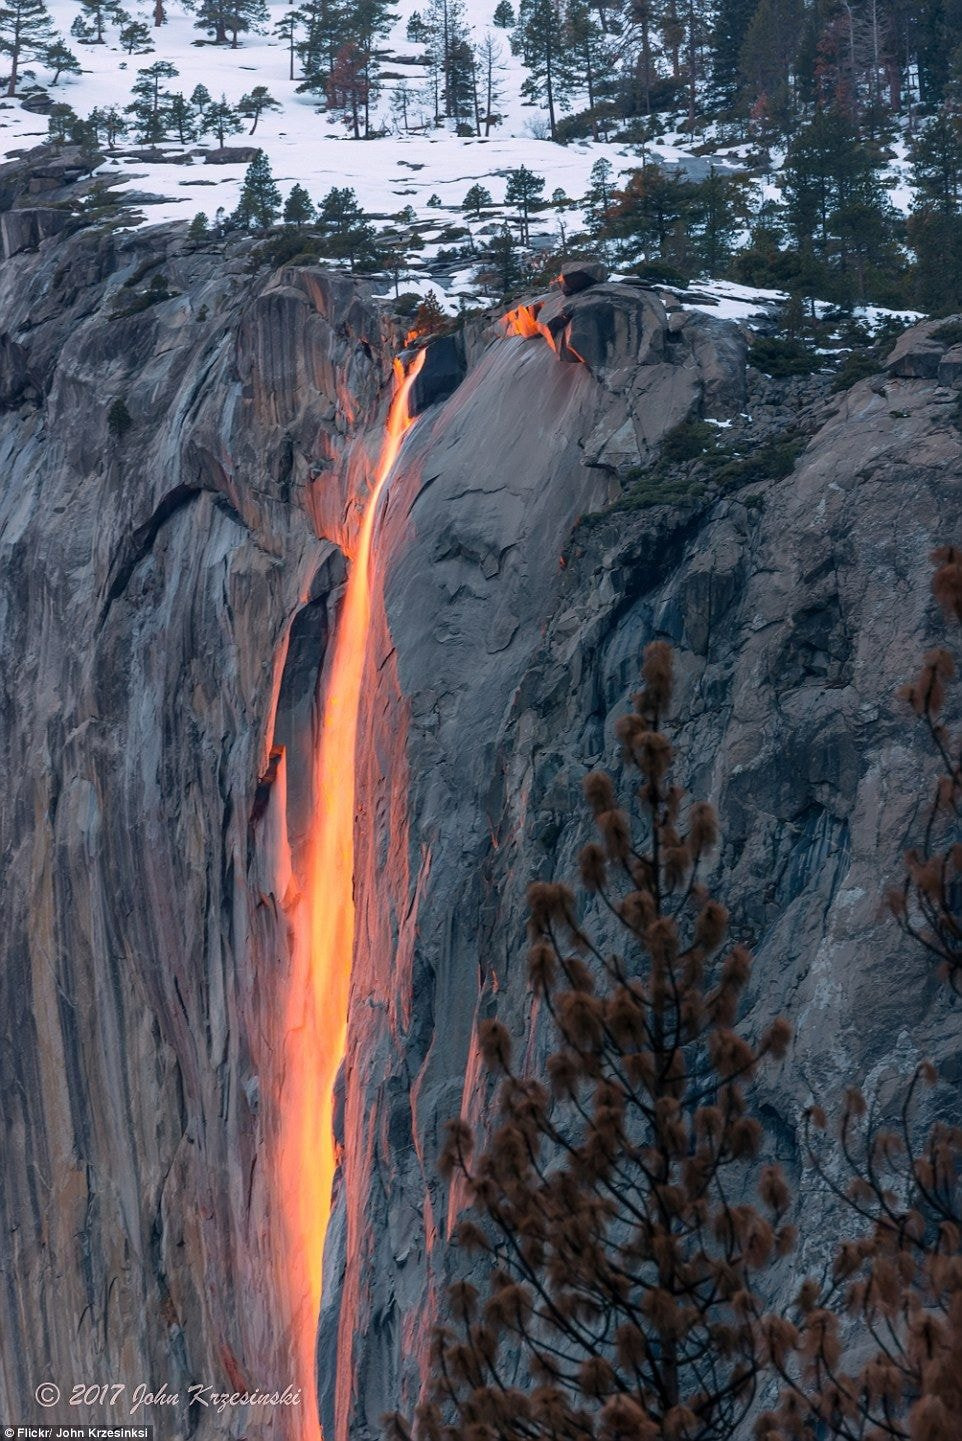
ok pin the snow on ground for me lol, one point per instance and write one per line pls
(308, 146)
(428, 168)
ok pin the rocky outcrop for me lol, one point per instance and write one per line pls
(656, 371)
(169, 589)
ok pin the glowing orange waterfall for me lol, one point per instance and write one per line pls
(316, 1014)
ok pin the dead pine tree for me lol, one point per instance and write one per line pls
(881, 1341)
(621, 1210)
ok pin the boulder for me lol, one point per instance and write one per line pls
(612, 328)
(918, 361)
(231, 155)
(918, 353)
(950, 366)
(721, 351)
(37, 102)
(578, 275)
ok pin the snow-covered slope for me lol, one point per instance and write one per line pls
(427, 168)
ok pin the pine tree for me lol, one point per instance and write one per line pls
(475, 200)
(935, 225)
(619, 1203)
(227, 20)
(401, 100)
(836, 208)
(428, 318)
(937, 28)
(718, 210)
(645, 212)
(325, 23)
(26, 32)
(524, 191)
(368, 21)
(490, 60)
(287, 28)
(221, 119)
(500, 269)
(253, 105)
(134, 37)
(108, 122)
(59, 58)
(584, 57)
(298, 207)
(539, 40)
(96, 16)
(341, 57)
(200, 101)
(180, 118)
(599, 195)
(504, 15)
(260, 199)
(348, 87)
(416, 30)
(765, 62)
(937, 162)
(150, 102)
(463, 100)
(732, 21)
(61, 120)
(346, 233)
(119, 419)
(199, 229)
(447, 39)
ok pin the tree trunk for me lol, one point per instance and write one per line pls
(549, 84)
(160, 15)
(14, 63)
(490, 101)
(646, 59)
(692, 66)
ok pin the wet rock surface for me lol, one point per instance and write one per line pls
(168, 590)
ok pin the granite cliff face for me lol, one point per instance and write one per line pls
(177, 478)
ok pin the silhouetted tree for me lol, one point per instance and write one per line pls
(288, 28)
(612, 1201)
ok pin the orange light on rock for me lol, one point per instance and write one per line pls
(316, 1007)
(523, 321)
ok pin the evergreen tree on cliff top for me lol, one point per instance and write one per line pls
(613, 1202)
(260, 199)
